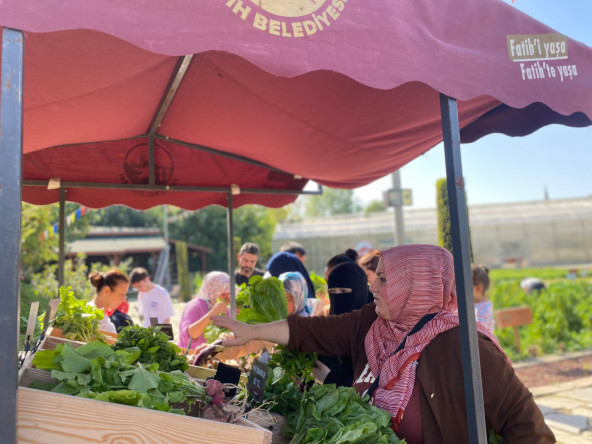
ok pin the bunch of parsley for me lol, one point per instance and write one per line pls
(154, 347)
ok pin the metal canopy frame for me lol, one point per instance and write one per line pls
(10, 202)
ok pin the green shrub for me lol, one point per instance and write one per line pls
(562, 313)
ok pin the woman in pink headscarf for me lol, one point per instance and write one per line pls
(405, 348)
(211, 300)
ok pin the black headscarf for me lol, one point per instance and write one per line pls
(348, 275)
(283, 262)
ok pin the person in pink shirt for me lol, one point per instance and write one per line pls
(211, 300)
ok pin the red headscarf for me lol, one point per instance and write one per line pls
(419, 281)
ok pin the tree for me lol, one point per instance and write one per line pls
(208, 227)
(122, 216)
(442, 204)
(332, 201)
(374, 207)
(37, 250)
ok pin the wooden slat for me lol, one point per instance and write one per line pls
(45, 417)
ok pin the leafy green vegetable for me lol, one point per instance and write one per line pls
(267, 301)
(329, 414)
(77, 320)
(98, 372)
(153, 346)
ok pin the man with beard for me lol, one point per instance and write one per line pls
(247, 261)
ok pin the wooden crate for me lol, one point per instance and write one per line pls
(270, 421)
(45, 417)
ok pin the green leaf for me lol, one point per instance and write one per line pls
(73, 362)
(143, 380)
(94, 349)
(44, 360)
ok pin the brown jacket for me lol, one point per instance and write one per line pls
(509, 407)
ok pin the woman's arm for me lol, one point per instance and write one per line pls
(277, 332)
(197, 328)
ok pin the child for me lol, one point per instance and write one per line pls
(153, 300)
(483, 306)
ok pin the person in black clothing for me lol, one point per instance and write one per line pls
(247, 261)
(348, 291)
(120, 320)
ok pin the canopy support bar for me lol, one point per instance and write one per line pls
(163, 107)
(62, 238)
(11, 149)
(462, 272)
(176, 78)
(221, 153)
(231, 257)
(144, 187)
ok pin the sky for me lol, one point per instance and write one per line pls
(500, 169)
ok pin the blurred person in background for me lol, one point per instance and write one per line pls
(296, 249)
(369, 262)
(247, 263)
(212, 299)
(483, 306)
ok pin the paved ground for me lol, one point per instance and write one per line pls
(562, 388)
(561, 385)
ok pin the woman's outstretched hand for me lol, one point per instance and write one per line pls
(243, 333)
(277, 332)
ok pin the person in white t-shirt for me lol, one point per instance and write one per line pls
(153, 300)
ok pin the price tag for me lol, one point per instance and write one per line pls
(168, 329)
(227, 374)
(257, 379)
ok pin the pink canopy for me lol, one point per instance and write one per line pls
(340, 92)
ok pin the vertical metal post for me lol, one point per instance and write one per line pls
(151, 168)
(462, 271)
(399, 223)
(167, 273)
(11, 149)
(231, 258)
(62, 238)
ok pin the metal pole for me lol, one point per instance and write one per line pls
(11, 152)
(399, 224)
(62, 238)
(462, 271)
(231, 258)
(167, 273)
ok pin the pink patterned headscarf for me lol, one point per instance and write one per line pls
(214, 284)
(419, 281)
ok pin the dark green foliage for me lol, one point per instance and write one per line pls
(154, 347)
(443, 207)
(208, 227)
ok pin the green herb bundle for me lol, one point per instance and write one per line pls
(154, 347)
(96, 371)
(290, 373)
(78, 320)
